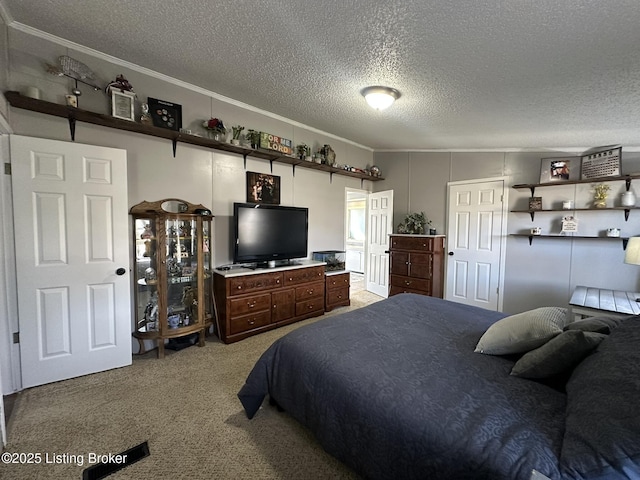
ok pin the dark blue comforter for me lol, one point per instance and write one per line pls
(395, 391)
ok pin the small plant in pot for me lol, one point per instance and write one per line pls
(414, 223)
(253, 137)
(304, 151)
(237, 130)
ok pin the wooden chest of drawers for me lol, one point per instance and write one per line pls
(416, 264)
(250, 303)
(336, 290)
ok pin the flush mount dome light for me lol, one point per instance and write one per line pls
(380, 97)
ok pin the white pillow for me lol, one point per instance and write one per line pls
(523, 332)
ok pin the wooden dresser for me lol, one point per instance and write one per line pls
(252, 301)
(337, 289)
(417, 264)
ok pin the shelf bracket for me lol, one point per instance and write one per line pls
(533, 190)
(627, 183)
(174, 143)
(626, 214)
(72, 126)
(293, 170)
(361, 183)
(245, 160)
(530, 239)
(533, 214)
(271, 165)
(330, 177)
(625, 241)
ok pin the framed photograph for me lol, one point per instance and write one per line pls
(165, 114)
(601, 163)
(559, 169)
(263, 188)
(122, 105)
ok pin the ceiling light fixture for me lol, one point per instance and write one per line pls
(380, 98)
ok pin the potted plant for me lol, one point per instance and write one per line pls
(216, 129)
(237, 130)
(414, 223)
(253, 137)
(304, 151)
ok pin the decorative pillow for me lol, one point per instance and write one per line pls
(558, 355)
(522, 332)
(594, 324)
(602, 429)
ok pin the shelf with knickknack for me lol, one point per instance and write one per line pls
(74, 115)
(571, 208)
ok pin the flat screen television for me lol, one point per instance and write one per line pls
(267, 233)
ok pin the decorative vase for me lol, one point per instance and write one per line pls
(628, 199)
(216, 135)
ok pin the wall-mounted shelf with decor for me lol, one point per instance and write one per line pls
(532, 186)
(533, 212)
(625, 240)
(74, 115)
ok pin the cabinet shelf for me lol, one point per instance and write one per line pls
(74, 115)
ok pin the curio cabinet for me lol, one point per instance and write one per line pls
(172, 272)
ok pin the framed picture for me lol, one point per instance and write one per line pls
(559, 169)
(122, 104)
(535, 203)
(263, 188)
(165, 114)
(601, 163)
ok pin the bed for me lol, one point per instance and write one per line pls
(397, 390)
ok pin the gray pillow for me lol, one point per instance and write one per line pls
(594, 324)
(558, 355)
(522, 332)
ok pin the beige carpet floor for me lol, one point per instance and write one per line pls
(185, 406)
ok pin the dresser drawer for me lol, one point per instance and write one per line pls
(254, 283)
(412, 243)
(338, 281)
(313, 290)
(253, 303)
(303, 275)
(249, 322)
(337, 295)
(308, 306)
(410, 283)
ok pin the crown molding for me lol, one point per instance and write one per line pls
(579, 150)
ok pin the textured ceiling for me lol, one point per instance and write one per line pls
(474, 74)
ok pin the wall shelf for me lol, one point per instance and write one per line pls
(625, 240)
(533, 212)
(74, 115)
(532, 186)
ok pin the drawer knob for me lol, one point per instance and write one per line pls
(239, 287)
(251, 305)
(278, 281)
(407, 282)
(339, 296)
(251, 322)
(310, 307)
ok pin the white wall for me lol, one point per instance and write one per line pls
(546, 272)
(198, 175)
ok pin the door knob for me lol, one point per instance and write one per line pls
(121, 271)
(451, 254)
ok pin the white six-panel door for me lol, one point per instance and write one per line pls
(71, 227)
(475, 243)
(379, 227)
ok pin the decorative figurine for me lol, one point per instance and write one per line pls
(145, 118)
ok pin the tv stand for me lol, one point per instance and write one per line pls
(251, 301)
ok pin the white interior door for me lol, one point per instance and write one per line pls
(476, 233)
(72, 258)
(379, 227)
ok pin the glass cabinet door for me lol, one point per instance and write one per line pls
(146, 269)
(181, 272)
(206, 265)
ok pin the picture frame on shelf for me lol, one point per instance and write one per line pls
(263, 188)
(604, 162)
(559, 169)
(123, 105)
(165, 114)
(535, 203)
